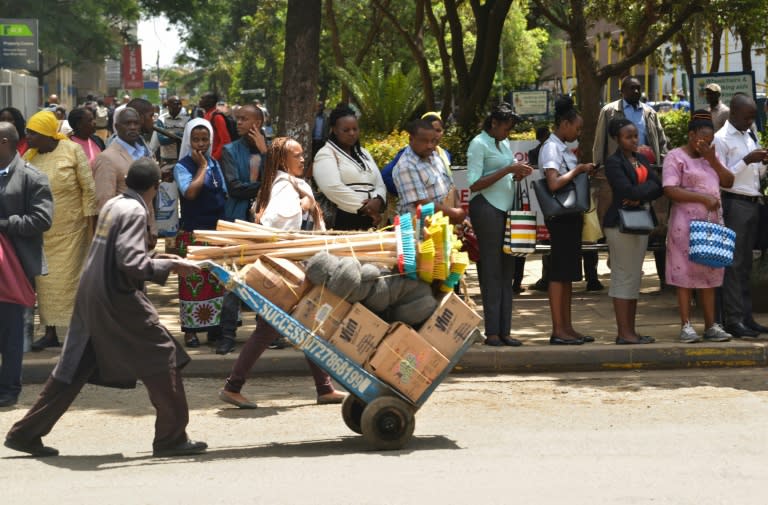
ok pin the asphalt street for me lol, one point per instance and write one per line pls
(641, 437)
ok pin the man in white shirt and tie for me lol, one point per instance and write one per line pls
(739, 151)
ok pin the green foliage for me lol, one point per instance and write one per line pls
(522, 48)
(383, 149)
(675, 124)
(386, 96)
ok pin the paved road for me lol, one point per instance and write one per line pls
(682, 437)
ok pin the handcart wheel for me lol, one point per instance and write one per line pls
(352, 412)
(388, 423)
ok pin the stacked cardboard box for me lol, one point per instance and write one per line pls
(359, 334)
(450, 325)
(279, 280)
(321, 311)
(407, 362)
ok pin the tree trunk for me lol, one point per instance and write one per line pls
(746, 54)
(300, 72)
(685, 53)
(475, 84)
(338, 57)
(717, 34)
(438, 30)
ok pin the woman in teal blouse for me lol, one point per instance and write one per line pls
(492, 171)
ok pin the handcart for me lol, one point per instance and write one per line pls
(383, 416)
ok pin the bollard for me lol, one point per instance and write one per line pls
(29, 327)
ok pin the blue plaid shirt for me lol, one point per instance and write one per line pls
(418, 179)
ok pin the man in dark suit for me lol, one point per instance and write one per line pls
(26, 211)
(115, 336)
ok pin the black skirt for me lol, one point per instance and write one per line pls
(565, 243)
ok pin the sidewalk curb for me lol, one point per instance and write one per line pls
(485, 360)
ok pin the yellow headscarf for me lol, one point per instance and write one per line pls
(44, 123)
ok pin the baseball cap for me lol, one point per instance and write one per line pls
(713, 87)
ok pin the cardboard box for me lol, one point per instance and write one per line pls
(450, 325)
(406, 361)
(359, 334)
(321, 311)
(279, 280)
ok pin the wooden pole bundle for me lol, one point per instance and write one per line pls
(242, 243)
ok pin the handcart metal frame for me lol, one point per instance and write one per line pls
(384, 417)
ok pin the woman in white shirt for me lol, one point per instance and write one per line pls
(283, 202)
(347, 176)
(560, 167)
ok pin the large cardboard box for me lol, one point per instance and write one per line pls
(407, 362)
(450, 325)
(359, 334)
(279, 280)
(321, 311)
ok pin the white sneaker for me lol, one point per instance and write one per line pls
(716, 333)
(688, 335)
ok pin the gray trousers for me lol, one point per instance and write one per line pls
(742, 217)
(495, 269)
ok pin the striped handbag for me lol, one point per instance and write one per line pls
(711, 244)
(520, 227)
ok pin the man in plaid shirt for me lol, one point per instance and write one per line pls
(421, 176)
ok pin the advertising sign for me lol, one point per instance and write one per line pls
(531, 103)
(133, 76)
(18, 44)
(730, 83)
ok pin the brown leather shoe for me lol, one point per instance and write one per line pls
(329, 398)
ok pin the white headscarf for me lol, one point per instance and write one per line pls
(186, 141)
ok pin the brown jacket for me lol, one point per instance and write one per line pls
(109, 170)
(112, 310)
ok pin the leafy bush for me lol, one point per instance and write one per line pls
(675, 124)
(383, 149)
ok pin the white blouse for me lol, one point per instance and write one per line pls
(284, 210)
(344, 181)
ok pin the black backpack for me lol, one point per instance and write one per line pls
(231, 125)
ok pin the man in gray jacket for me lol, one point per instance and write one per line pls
(115, 336)
(26, 211)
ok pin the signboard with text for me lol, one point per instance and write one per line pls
(730, 83)
(133, 76)
(531, 103)
(18, 44)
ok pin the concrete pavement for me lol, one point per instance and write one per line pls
(592, 314)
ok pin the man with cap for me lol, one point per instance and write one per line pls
(718, 109)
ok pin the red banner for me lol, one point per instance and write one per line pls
(133, 77)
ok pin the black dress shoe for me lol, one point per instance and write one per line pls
(36, 449)
(494, 342)
(45, 342)
(225, 346)
(738, 330)
(8, 400)
(587, 338)
(595, 286)
(553, 340)
(186, 449)
(512, 342)
(752, 325)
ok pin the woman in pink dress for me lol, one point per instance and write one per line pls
(692, 178)
(84, 133)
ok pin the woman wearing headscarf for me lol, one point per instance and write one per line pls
(16, 118)
(347, 175)
(66, 243)
(203, 192)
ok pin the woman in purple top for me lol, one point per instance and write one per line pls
(692, 178)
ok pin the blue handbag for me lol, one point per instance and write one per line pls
(711, 244)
